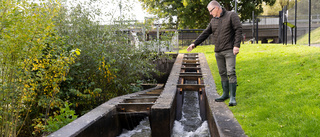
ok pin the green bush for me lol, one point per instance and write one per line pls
(51, 54)
(108, 64)
(65, 116)
(34, 59)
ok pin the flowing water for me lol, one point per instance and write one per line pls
(190, 124)
(142, 130)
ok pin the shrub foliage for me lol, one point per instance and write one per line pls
(51, 55)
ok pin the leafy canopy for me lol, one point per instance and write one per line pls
(192, 14)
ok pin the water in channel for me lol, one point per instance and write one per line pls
(142, 130)
(190, 124)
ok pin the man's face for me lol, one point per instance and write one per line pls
(213, 11)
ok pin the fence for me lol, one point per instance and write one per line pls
(187, 36)
(183, 37)
(305, 17)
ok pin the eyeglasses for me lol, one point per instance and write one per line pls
(212, 9)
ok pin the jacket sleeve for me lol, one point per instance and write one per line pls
(237, 27)
(204, 35)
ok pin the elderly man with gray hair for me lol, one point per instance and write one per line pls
(227, 32)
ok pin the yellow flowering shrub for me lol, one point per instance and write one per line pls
(33, 61)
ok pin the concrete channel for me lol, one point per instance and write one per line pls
(161, 104)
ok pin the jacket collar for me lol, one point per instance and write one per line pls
(223, 12)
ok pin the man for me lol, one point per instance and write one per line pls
(227, 31)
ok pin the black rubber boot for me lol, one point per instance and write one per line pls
(225, 95)
(233, 89)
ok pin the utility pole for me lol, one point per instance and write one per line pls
(295, 22)
(253, 23)
(235, 3)
(309, 22)
(120, 6)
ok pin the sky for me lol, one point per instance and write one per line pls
(131, 9)
(139, 11)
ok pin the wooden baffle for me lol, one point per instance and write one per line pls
(132, 110)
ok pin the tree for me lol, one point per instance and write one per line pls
(33, 61)
(278, 6)
(192, 14)
(52, 56)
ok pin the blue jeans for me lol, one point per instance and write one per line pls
(226, 62)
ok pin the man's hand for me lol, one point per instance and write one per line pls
(235, 50)
(191, 47)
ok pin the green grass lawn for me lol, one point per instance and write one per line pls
(278, 92)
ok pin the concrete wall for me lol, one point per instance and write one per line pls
(163, 111)
(103, 121)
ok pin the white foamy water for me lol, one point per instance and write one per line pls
(202, 131)
(142, 130)
(190, 124)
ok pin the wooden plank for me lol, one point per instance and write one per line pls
(143, 97)
(140, 100)
(134, 113)
(190, 87)
(190, 74)
(134, 107)
(191, 77)
(190, 64)
(154, 95)
(191, 61)
(127, 104)
(190, 57)
(190, 68)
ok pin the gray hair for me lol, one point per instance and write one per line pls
(214, 3)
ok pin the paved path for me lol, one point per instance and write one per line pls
(315, 45)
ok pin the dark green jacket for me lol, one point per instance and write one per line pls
(226, 30)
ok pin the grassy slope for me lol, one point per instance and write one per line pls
(314, 39)
(278, 92)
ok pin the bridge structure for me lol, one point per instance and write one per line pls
(274, 33)
(265, 32)
(161, 104)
